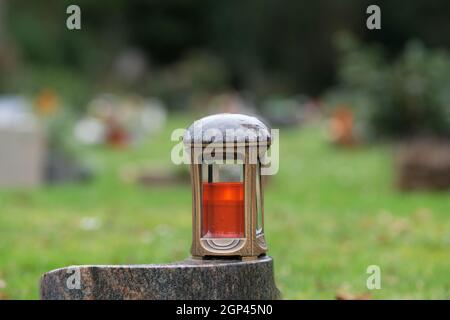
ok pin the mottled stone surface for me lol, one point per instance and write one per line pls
(227, 128)
(189, 279)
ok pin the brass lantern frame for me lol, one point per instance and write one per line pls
(253, 244)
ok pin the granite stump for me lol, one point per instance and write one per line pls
(190, 279)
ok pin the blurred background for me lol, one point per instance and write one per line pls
(364, 117)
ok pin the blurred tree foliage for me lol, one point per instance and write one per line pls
(265, 46)
(408, 95)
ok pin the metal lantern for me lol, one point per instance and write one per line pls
(227, 213)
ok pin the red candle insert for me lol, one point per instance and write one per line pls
(223, 210)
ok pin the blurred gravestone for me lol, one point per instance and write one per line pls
(22, 147)
(424, 165)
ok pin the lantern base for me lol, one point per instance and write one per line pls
(229, 258)
(191, 279)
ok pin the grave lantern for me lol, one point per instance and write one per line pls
(226, 152)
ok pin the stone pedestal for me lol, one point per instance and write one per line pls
(189, 279)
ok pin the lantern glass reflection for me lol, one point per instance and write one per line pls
(259, 201)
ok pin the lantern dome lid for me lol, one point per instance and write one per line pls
(227, 128)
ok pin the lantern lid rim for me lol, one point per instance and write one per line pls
(222, 128)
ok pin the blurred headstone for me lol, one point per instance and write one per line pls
(22, 145)
(120, 121)
(283, 112)
(149, 118)
(231, 103)
(90, 131)
(155, 176)
(131, 65)
(61, 168)
(424, 165)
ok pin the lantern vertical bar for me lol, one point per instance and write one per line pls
(196, 201)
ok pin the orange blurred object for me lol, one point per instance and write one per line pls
(47, 102)
(116, 136)
(342, 126)
(223, 210)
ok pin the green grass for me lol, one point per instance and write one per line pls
(330, 213)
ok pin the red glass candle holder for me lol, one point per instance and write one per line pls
(223, 210)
